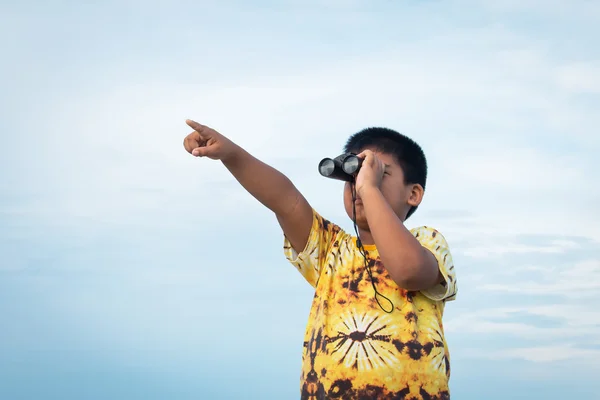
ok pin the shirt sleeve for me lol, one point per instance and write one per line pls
(310, 262)
(435, 242)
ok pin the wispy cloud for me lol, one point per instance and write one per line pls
(545, 354)
(506, 247)
(579, 280)
(545, 323)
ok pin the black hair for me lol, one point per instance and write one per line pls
(407, 153)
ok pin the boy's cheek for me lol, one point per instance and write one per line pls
(347, 192)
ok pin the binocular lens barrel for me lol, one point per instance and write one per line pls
(342, 167)
(326, 167)
(351, 164)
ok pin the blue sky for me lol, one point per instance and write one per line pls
(130, 270)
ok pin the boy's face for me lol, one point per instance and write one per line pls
(400, 196)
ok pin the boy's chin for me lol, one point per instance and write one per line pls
(361, 221)
(363, 225)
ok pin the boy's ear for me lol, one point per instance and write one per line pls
(415, 196)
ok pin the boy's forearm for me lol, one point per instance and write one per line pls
(409, 264)
(269, 186)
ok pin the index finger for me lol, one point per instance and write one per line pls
(363, 154)
(201, 129)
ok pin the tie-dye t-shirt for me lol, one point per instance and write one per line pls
(352, 348)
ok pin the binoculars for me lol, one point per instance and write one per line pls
(343, 167)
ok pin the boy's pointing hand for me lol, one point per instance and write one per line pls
(206, 142)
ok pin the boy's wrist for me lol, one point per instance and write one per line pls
(233, 155)
(367, 191)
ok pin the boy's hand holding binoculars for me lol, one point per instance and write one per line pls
(370, 173)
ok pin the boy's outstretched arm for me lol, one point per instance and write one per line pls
(269, 186)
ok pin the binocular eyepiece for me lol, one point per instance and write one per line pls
(343, 167)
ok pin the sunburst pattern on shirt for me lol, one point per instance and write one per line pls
(363, 342)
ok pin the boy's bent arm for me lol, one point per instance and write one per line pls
(409, 264)
(276, 192)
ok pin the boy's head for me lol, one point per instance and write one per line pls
(404, 181)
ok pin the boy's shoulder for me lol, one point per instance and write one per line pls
(432, 239)
(426, 232)
(436, 243)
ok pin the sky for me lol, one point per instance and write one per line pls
(131, 270)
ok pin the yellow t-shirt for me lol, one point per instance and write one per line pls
(352, 348)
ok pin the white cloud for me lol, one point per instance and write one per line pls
(580, 77)
(580, 9)
(548, 354)
(580, 280)
(503, 247)
(525, 170)
(565, 318)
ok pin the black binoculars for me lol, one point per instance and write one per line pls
(343, 167)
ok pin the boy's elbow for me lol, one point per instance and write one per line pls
(410, 284)
(287, 201)
(418, 279)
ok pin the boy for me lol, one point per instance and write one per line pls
(375, 327)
